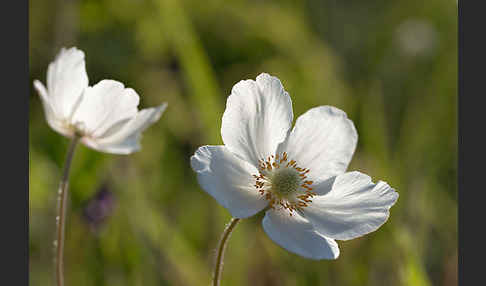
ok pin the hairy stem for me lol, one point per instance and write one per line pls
(61, 212)
(218, 268)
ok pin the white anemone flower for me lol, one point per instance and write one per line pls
(298, 176)
(105, 116)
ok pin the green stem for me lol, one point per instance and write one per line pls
(221, 247)
(61, 211)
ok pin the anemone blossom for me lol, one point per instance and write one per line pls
(298, 176)
(105, 116)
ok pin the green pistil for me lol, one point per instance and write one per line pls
(285, 181)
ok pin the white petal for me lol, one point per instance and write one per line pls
(53, 121)
(323, 140)
(354, 207)
(228, 179)
(104, 105)
(297, 235)
(66, 80)
(124, 137)
(257, 118)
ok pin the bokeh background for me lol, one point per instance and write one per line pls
(142, 219)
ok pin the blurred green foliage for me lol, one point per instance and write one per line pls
(391, 65)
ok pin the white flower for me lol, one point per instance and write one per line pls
(299, 174)
(105, 115)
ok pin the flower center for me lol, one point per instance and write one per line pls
(283, 183)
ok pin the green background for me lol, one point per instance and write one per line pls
(390, 65)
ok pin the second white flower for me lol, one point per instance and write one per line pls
(105, 116)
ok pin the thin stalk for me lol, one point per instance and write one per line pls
(61, 211)
(218, 268)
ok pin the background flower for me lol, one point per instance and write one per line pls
(99, 207)
(105, 116)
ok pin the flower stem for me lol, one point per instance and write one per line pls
(221, 247)
(61, 211)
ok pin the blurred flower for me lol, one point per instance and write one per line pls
(298, 175)
(99, 207)
(416, 37)
(105, 115)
